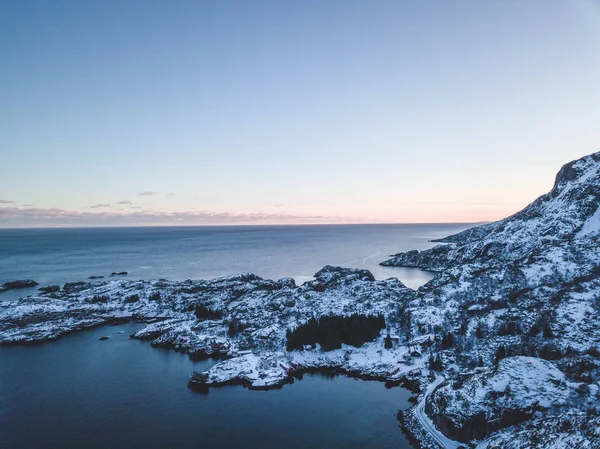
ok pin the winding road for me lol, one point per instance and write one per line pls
(428, 425)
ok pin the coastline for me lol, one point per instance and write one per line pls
(510, 321)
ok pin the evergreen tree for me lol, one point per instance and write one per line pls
(331, 331)
(438, 363)
(435, 364)
(431, 361)
(203, 313)
(447, 340)
(480, 329)
(500, 354)
(388, 342)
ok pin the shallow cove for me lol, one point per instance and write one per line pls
(83, 392)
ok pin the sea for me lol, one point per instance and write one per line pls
(82, 392)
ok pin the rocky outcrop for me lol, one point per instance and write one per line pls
(73, 287)
(50, 289)
(436, 259)
(13, 285)
(497, 397)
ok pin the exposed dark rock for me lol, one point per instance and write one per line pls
(119, 273)
(103, 338)
(50, 289)
(71, 287)
(329, 275)
(132, 298)
(13, 285)
(99, 299)
(147, 335)
(117, 321)
(435, 259)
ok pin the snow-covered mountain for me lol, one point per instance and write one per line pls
(526, 288)
(568, 214)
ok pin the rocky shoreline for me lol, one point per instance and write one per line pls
(243, 371)
(250, 313)
(510, 322)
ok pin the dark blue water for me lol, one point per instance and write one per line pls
(79, 392)
(56, 256)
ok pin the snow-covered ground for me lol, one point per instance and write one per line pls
(521, 297)
(511, 321)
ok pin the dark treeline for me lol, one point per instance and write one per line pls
(202, 313)
(331, 331)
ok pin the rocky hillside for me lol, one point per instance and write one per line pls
(521, 298)
(566, 215)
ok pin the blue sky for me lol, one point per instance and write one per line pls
(291, 111)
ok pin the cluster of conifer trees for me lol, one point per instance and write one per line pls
(203, 313)
(331, 331)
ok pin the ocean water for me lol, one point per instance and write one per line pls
(56, 256)
(81, 392)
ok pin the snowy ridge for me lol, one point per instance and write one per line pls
(568, 211)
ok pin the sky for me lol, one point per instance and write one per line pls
(314, 111)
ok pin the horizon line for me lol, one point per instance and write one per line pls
(247, 225)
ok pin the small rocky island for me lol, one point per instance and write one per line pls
(502, 346)
(14, 285)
